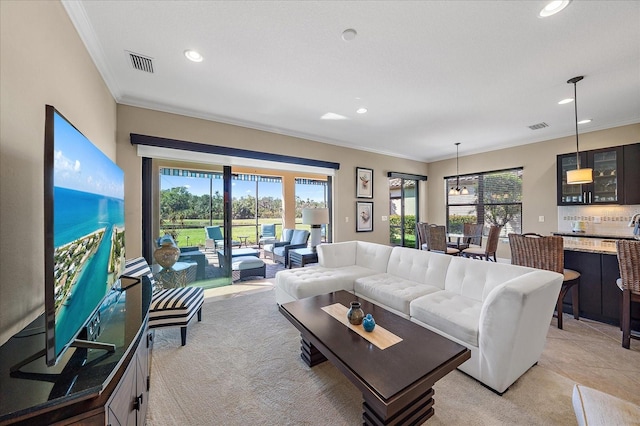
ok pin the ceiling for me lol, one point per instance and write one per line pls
(430, 73)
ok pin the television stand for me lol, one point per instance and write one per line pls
(86, 386)
(78, 343)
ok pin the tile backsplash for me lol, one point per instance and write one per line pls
(603, 220)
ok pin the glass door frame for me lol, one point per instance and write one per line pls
(404, 177)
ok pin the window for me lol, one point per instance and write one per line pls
(493, 198)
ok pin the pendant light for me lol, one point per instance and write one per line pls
(578, 176)
(456, 190)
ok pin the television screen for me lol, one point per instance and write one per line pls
(84, 231)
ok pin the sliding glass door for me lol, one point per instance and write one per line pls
(403, 209)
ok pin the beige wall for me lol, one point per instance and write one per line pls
(539, 175)
(154, 123)
(42, 61)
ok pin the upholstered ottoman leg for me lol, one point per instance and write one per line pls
(183, 335)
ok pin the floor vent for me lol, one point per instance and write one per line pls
(141, 63)
(539, 126)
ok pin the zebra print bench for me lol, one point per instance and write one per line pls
(171, 307)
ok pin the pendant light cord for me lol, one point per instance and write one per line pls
(457, 170)
(575, 108)
(575, 81)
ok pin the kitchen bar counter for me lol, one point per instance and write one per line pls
(628, 236)
(591, 243)
(596, 259)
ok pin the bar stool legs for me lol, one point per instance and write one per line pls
(575, 299)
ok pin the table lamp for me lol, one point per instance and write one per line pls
(316, 218)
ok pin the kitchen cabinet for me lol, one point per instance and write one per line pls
(608, 180)
(600, 297)
(631, 164)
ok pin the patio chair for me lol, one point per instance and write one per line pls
(299, 239)
(285, 238)
(214, 238)
(267, 234)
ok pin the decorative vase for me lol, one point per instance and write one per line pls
(368, 323)
(355, 314)
(168, 253)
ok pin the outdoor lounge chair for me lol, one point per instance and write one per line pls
(214, 238)
(267, 234)
(287, 233)
(299, 239)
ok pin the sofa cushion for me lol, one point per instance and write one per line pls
(419, 266)
(475, 280)
(307, 282)
(391, 290)
(453, 314)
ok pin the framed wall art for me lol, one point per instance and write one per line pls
(364, 216)
(364, 183)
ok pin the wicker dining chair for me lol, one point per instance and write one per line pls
(536, 251)
(473, 234)
(629, 282)
(421, 232)
(437, 240)
(489, 251)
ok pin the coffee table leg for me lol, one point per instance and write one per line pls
(309, 353)
(413, 413)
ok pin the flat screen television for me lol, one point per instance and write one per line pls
(83, 232)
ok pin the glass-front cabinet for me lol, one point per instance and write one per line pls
(607, 186)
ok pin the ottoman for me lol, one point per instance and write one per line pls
(175, 307)
(248, 266)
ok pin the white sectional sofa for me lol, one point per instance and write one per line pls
(501, 312)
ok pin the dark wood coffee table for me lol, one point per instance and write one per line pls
(396, 382)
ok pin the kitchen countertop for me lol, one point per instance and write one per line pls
(628, 236)
(590, 245)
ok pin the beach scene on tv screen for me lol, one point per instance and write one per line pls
(88, 227)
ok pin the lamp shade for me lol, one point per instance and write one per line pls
(318, 216)
(579, 176)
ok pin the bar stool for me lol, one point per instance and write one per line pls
(629, 282)
(536, 251)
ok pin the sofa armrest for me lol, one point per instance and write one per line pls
(514, 322)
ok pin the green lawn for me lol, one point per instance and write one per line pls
(191, 233)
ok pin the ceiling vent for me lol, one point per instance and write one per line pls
(141, 63)
(539, 126)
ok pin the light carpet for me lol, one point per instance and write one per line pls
(242, 366)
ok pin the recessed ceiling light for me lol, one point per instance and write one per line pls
(349, 34)
(585, 121)
(361, 110)
(565, 101)
(192, 55)
(553, 7)
(333, 116)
